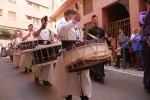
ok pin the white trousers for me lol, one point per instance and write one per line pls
(25, 60)
(45, 72)
(16, 59)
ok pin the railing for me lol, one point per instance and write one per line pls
(113, 28)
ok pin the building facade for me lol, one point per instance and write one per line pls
(16, 15)
(112, 14)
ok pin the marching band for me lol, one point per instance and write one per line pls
(39, 51)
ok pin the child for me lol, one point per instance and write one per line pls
(118, 51)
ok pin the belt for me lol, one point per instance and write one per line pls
(44, 42)
(66, 43)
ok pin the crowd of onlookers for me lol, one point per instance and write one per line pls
(130, 49)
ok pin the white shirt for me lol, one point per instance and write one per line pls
(119, 51)
(17, 40)
(131, 39)
(45, 35)
(31, 37)
(69, 31)
(132, 36)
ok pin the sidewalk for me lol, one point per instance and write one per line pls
(131, 70)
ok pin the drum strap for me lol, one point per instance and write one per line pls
(44, 42)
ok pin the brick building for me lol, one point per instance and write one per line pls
(112, 14)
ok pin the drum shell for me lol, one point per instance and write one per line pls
(28, 44)
(84, 55)
(45, 54)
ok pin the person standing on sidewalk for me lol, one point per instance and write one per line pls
(124, 42)
(118, 51)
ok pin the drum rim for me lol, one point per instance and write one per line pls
(76, 68)
(29, 41)
(44, 46)
(88, 42)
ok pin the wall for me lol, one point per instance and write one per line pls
(134, 13)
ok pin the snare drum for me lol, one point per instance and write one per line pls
(24, 45)
(84, 55)
(45, 54)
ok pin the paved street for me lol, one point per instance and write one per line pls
(119, 85)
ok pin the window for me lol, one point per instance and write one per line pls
(35, 21)
(12, 15)
(13, 1)
(35, 7)
(0, 12)
(29, 17)
(87, 6)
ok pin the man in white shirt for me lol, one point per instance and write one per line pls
(44, 34)
(26, 57)
(68, 83)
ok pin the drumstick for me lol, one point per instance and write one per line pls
(77, 5)
(94, 37)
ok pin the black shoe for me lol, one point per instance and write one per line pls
(47, 83)
(84, 98)
(36, 79)
(101, 80)
(69, 97)
(147, 88)
(26, 70)
(30, 70)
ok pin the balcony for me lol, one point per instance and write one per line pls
(64, 4)
(13, 24)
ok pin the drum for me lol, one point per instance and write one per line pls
(24, 45)
(84, 55)
(16, 49)
(45, 54)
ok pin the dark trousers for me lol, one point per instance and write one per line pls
(118, 61)
(139, 55)
(82, 97)
(97, 71)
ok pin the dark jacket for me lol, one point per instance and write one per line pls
(98, 32)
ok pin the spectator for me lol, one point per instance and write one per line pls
(138, 48)
(134, 57)
(118, 51)
(124, 41)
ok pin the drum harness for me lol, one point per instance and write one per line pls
(79, 73)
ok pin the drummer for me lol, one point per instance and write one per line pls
(44, 35)
(26, 57)
(75, 83)
(16, 41)
(98, 70)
